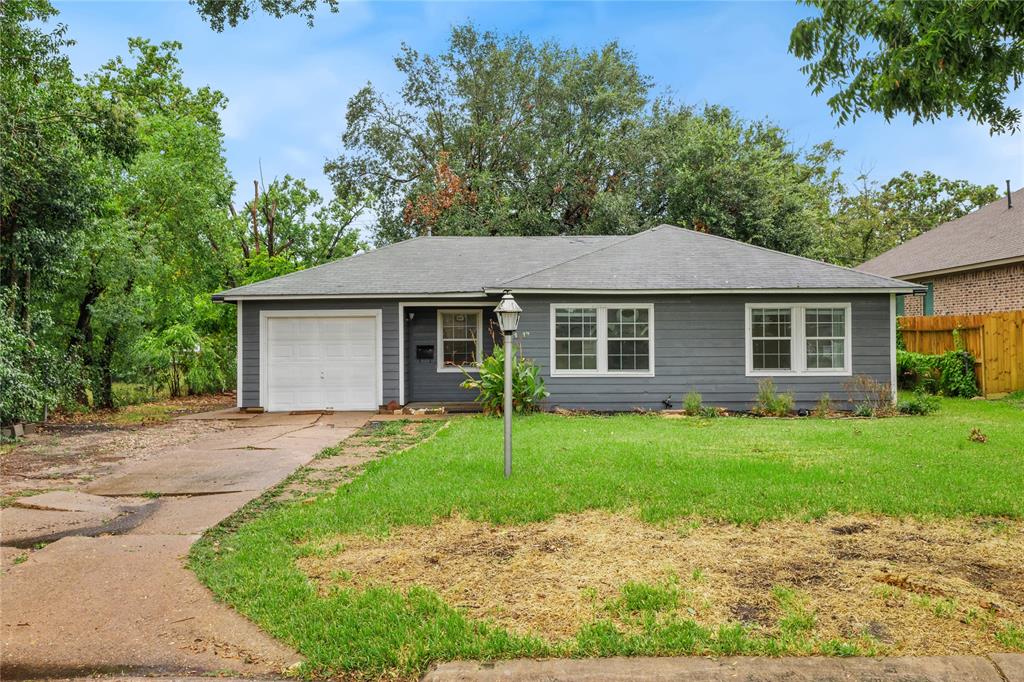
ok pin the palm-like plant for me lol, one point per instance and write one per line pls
(528, 389)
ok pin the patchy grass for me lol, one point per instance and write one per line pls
(685, 478)
(9, 500)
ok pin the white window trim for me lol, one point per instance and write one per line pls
(265, 316)
(441, 367)
(798, 350)
(602, 341)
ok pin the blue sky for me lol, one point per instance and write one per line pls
(288, 84)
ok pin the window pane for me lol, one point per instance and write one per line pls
(771, 354)
(770, 322)
(576, 338)
(459, 338)
(629, 355)
(627, 323)
(826, 353)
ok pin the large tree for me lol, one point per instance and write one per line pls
(163, 234)
(877, 217)
(498, 135)
(53, 134)
(928, 59)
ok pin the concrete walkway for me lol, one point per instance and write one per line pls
(112, 595)
(995, 668)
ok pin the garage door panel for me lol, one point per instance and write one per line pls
(322, 363)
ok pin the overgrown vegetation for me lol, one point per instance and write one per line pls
(950, 374)
(116, 224)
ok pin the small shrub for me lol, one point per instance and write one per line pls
(823, 408)
(710, 412)
(918, 402)
(528, 389)
(770, 403)
(870, 398)
(863, 410)
(693, 404)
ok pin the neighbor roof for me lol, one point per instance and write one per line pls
(994, 232)
(664, 258)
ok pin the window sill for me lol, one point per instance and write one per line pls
(795, 373)
(458, 370)
(588, 373)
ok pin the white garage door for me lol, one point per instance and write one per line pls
(321, 363)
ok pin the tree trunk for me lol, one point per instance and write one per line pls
(104, 397)
(81, 339)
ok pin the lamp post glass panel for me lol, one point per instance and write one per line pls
(508, 319)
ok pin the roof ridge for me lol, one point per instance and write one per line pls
(783, 253)
(625, 238)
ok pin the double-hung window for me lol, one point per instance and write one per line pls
(798, 338)
(602, 339)
(458, 339)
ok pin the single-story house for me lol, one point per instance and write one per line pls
(968, 266)
(613, 322)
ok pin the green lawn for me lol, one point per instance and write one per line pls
(736, 469)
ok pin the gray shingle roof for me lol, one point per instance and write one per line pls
(662, 258)
(991, 233)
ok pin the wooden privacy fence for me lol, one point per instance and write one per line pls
(996, 341)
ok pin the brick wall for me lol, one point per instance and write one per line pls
(977, 291)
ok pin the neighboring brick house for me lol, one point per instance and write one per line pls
(971, 265)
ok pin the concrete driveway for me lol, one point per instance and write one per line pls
(111, 593)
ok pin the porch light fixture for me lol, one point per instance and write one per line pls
(507, 313)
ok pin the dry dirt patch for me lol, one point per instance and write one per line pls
(940, 587)
(73, 450)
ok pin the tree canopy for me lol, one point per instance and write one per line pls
(499, 135)
(928, 59)
(222, 13)
(878, 217)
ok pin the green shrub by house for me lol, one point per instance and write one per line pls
(528, 389)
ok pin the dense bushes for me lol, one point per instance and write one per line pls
(950, 374)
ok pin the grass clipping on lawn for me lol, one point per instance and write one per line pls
(915, 588)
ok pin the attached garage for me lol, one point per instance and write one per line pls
(320, 360)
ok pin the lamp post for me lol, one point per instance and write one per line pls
(507, 312)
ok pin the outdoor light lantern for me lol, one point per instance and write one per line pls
(508, 319)
(508, 313)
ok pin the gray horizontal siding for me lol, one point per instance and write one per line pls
(423, 383)
(699, 346)
(251, 340)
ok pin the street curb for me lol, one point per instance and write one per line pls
(995, 668)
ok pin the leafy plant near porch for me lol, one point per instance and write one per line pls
(528, 389)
